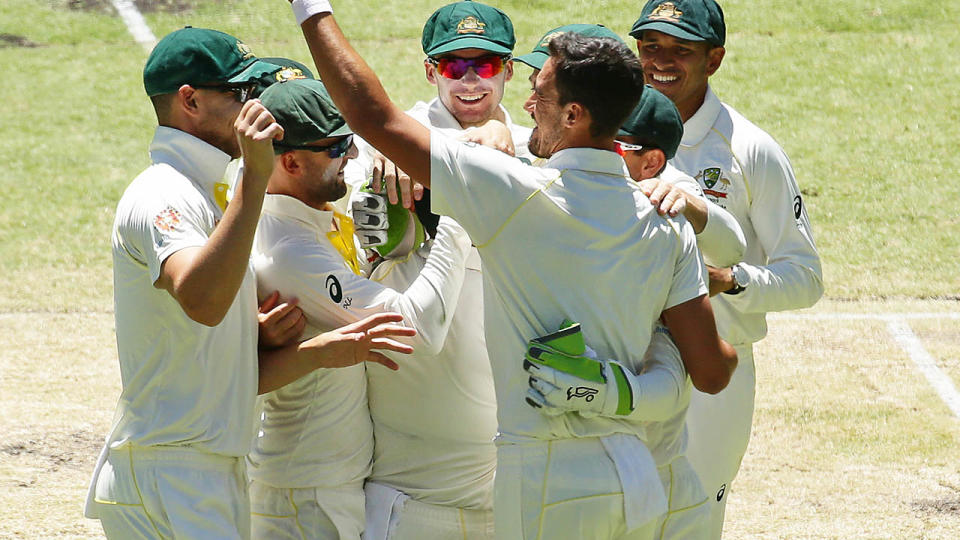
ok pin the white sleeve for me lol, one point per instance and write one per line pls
(792, 277)
(332, 296)
(688, 268)
(662, 380)
(721, 241)
(478, 186)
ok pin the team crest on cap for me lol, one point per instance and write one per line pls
(470, 25)
(167, 220)
(665, 11)
(289, 73)
(548, 38)
(245, 50)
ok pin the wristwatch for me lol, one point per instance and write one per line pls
(740, 279)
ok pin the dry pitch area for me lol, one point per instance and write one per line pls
(850, 440)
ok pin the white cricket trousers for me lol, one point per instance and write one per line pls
(565, 489)
(321, 513)
(172, 492)
(688, 511)
(719, 430)
(393, 515)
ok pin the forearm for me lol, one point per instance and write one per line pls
(708, 360)
(696, 212)
(280, 367)
(780, 286)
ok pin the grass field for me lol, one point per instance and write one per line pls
(850, 439)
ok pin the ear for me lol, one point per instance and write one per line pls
(289, 163)
(714, 59)
(651, 161)
(508, 71)
(430, 71)
(187, 100)
(573, 113)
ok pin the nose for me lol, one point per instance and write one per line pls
(470, 77)
(353, 152)
(530, 104)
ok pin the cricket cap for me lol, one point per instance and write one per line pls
(200, 56)
(288, 69)
(305, 111)
(468, 25)
(538, 56)
(692, 20)
(655, 122)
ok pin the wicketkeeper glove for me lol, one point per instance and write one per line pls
(566, 376)
(390, 229)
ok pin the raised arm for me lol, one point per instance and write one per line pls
(363, 102)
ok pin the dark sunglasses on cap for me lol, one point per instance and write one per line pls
(454, 67)
(334, 150)
(242, 92)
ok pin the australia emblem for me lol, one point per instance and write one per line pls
(470, 25)
(666, 10)
(710, 176)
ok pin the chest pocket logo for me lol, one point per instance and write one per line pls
(334, 288)
(713, 178)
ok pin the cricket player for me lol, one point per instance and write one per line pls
(186, 305)
(575, 239)
(741, 168)
(315, 445)
(435, 420)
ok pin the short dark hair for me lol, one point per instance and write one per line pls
(602, 74)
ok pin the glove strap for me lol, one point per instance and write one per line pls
(625, 397)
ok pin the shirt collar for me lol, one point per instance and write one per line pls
(293, 208)
(697, 126)
(197, 159)
(442, 118)
(588, 159)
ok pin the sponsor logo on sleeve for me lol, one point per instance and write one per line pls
(168, 220)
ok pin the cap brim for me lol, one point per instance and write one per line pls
(254, 71)
(340, 131)
(470, 42)
(666, 28)
(535, 59)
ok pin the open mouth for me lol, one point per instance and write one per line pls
(663, 78)
(471, 98)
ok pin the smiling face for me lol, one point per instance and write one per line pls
(472, 100)
(678, 68)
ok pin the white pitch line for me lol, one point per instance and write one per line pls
(135, 24)
(864, 316)
(940, 381)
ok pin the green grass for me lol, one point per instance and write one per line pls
(865, 100)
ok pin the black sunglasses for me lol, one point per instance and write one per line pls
(242, 92)
(334, 150)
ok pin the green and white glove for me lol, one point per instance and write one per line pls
(390, 229)
(567, 376)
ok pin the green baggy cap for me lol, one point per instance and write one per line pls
(305, 110)
(200, 56)
(288, 69)
(538, 56)
(468, 25)
(692, 20)
(655, 121)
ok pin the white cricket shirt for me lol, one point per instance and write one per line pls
(316, 431)
(184, 384)
(742, 169)
(576, 238)
(435, 419)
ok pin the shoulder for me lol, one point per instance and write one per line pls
(745, 137)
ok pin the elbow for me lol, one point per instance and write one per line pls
(711, 384)
(201, 309)
(715, 379)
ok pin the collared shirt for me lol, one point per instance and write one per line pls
(184, 384)
(316, 431)
(575, 239)
(742, 169)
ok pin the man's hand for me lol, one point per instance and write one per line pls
(370, 218)
(494, 134)
(358, 342)
(390, 229)
(579, 384)
(385, 172)
(665, 197)
(280, 324)
(721, 279)
(256, 129)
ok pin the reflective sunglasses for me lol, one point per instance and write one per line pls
(627, 147)
(453, 67)
(334, 150)
(242, 92)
